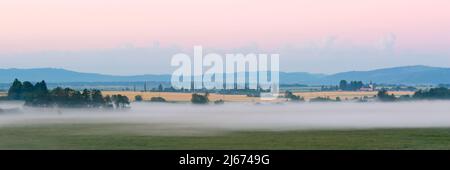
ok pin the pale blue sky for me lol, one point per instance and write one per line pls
(326, 56)
(321, 36)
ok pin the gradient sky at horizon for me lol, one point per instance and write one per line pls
(52, 32)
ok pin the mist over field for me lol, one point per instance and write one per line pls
(241, 116)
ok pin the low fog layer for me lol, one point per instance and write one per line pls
(245, 116)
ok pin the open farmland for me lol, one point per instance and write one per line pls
(181, 97)
(185, 97)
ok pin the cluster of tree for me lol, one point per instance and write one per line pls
(325, 99)
(71, 98)
(403, 88)
(352, 86)
(329, 88)
(138, 98)
(362, 99)
(120, 101)
(162, 89)
(433, 93)
(220, 101)
(383, 95)
(200, 99)
(439, 93)
(289, 95)
(157, 99)
(40, 95)
(26, 90)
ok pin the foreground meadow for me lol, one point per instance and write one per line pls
(112, 136)
(344, 125)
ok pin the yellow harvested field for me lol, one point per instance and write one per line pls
(181, 97)
(185, 97)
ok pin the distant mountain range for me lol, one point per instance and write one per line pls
(63, 76)
(398, 75)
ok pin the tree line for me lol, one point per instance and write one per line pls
(290, 96)
(438, 93)
(39, 95)
(352, 86)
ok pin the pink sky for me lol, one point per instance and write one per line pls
(28, 26)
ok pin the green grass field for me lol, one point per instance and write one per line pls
(106, 136)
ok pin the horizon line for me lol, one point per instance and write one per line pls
(161, 74)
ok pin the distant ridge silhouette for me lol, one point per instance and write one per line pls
(418, 74)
